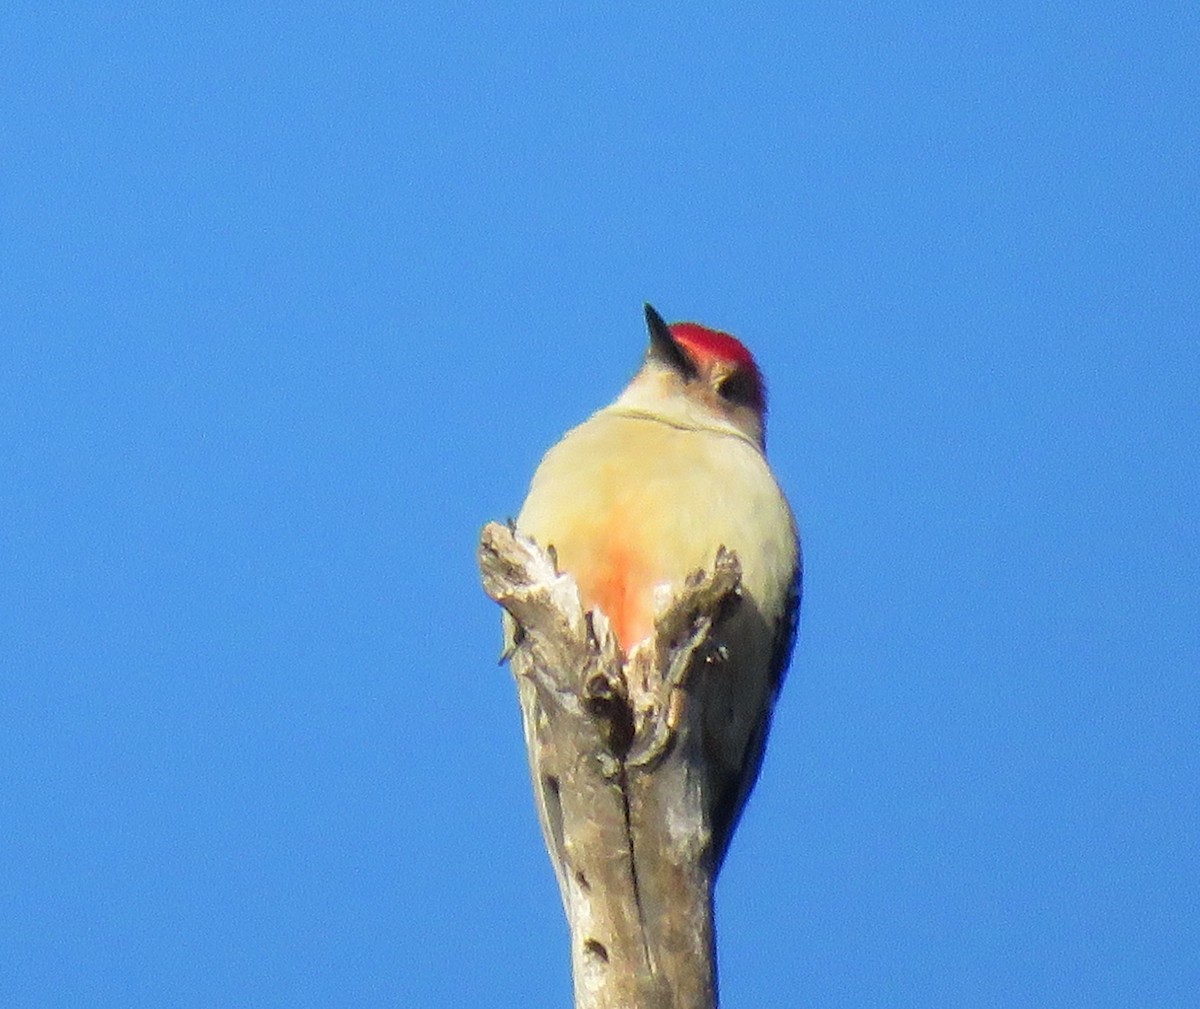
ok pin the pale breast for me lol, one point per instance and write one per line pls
(633, 505)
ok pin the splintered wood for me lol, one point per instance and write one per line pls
(616, 757)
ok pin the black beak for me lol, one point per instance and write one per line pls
(663, 347)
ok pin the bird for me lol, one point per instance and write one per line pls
(644, 493)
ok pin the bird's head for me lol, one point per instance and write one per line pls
(699, 377)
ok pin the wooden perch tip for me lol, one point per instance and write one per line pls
(617, 769)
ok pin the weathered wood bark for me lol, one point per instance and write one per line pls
(617, 764)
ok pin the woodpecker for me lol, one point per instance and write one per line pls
(644, 493)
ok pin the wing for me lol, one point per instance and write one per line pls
(731, 801)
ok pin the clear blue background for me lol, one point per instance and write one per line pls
(292, 298)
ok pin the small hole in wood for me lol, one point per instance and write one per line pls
(581, 879)
(596, 949)
(554, 814)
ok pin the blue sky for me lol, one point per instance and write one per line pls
(293, 298)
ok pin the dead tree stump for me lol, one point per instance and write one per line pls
(615, 755)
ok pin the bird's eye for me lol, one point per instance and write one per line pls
(739, 387)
